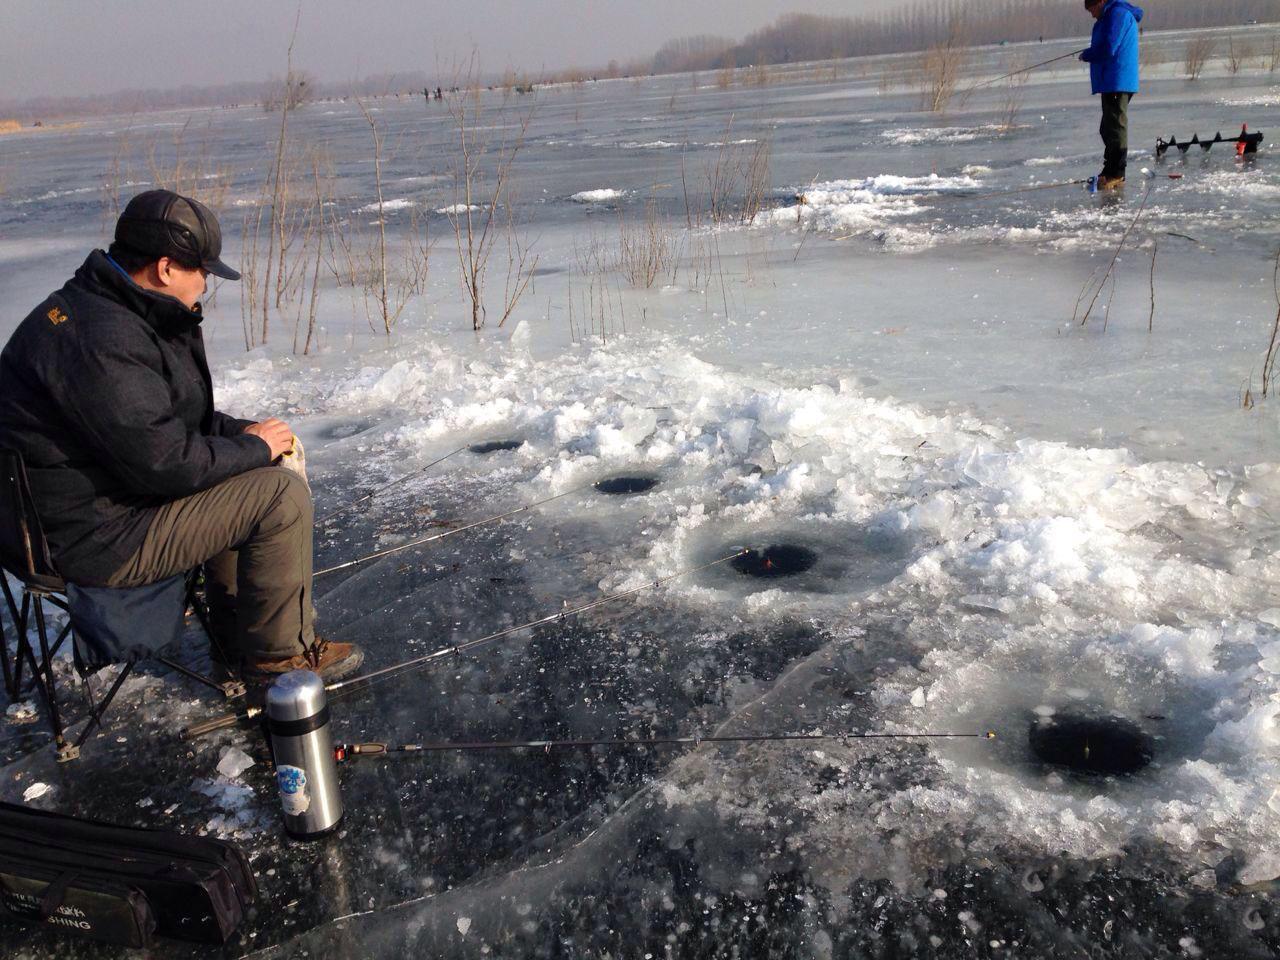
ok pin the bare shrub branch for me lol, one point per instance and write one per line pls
(1196, 54)
(940, 69)
(648, 250)
(486, 160)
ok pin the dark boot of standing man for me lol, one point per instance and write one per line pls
(1113, 71)
(106, 394)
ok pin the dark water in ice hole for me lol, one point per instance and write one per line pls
(1091, 746)
(496, 446)
(626, 485)
(774, 561)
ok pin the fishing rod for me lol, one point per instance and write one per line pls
(387, 486)
(1056, 185)
(1084, 181)
(1015, 73)
(386, 673)
(448, 533)
(943, 197)
(394, 670)
(344, 752)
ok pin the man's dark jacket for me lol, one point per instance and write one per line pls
(105, 391)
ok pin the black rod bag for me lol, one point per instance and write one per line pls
(82, 904)
(195, 888)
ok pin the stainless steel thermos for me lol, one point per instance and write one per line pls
(306, 771)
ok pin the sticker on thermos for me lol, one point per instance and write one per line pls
(294, 795)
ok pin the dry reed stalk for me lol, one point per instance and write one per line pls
(1237, 56)
(1273, 347)
(315, 268)
(1109, 273)
(476, 226)
(647, 251)
(278, 191)
(756, 177)
(388, 312)
(1196, 54)
(940, 70)
(1015, 93)
(1155, 253)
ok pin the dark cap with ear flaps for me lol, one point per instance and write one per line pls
(165, 224)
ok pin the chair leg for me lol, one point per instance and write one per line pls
(49, 685)
(22, 623)
(96, 713)
(10, 687)
(62, 638)
(231, 689)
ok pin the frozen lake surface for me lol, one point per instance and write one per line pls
(1006, 518)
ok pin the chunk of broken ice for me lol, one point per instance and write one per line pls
(21, 712)
(1262, 866)
(233, 762)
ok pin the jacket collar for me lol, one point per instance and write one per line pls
(101, 275)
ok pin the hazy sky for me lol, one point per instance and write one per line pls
(71, 47)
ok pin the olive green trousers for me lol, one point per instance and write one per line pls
(253, 535)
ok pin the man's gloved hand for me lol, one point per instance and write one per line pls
(275, 433)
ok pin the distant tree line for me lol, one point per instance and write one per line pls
(793, 37)
(919, 26)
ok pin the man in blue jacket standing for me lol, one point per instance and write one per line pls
(1113, 69)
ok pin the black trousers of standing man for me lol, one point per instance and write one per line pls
(1115, 133)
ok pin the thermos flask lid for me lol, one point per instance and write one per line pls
(296, 695)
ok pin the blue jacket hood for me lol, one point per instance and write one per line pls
(1135, 10)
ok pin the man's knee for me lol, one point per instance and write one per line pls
(284, 493)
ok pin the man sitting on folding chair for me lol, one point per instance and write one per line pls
(106, 395)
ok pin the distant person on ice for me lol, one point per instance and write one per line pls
(105, 392)
(1113, 69)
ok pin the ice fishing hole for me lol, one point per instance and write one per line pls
(494, 446)
(1096, 746)
(626, 486)
(343, 431)
(776, 561)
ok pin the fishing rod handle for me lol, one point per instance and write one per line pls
(365, 749)
(218, 723)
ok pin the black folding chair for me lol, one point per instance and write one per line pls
(24, 555)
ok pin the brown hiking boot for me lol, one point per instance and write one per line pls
(332, 661)
(1110, 183)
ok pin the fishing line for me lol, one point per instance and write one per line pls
(448, 533)
(1034, 66)
(1002, 193)
(943, 197)
(386, 673)
(387, 486)
(347, 751)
